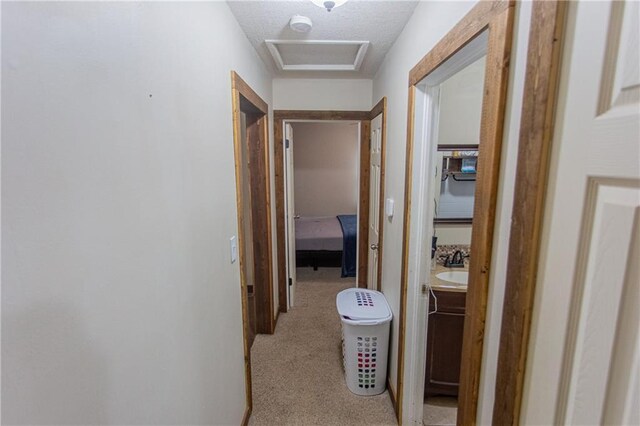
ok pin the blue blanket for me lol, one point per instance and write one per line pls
(349, 224)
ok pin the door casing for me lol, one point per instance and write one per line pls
(496, 18)
(244, 99)
(364, 118)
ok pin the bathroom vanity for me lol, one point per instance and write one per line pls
(444, 334)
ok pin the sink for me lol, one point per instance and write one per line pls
(458, 277)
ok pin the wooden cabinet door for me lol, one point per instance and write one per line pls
(444, 343)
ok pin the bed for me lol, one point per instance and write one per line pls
(327, 241)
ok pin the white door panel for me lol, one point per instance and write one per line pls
(374, 201)
(584, 353)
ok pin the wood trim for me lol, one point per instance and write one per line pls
(321, 115)
(497, 18)
(264, 121)
(278, 162)
(460, 147)
(453, 221)
(460, 35)
(279, 116)
(487, 180)
(392, 394)
(381, 108)
(275, 320)
(245, 90)
(246, 416)
(536, 128)
(258, 157)
(241, 93)
(363, 201)
(404, 273)
(235, 100)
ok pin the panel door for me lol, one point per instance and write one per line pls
(374, 201)
(583, 361)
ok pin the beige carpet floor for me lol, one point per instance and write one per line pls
(440, 411)
(297, 372)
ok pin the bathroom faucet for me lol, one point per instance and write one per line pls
(457, 261)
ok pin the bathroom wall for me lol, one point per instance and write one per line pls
(119, 301)
(460, 109)
(461, 106)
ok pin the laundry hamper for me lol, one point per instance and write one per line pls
(366, 318)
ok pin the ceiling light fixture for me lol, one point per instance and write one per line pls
(328, 4)
(300, 24)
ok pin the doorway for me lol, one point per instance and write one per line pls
(284, 136)
(450, 203)
(485, 30)
(253, 248)
(321, 198)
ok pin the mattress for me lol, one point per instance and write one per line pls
(318, 233)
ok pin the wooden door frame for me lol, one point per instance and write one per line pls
(244, 99)
(546, 36)
(497, 18)
(364, 119)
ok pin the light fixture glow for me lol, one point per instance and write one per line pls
(329, 4)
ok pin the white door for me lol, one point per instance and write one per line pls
(290, 226)
(584, 358)
(374, 201)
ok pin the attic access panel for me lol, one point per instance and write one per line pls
(317, 55)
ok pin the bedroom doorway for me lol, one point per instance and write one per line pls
(332, 233)
(321, 169)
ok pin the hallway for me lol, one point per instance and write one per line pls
(297, 372)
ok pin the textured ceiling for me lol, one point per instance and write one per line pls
(379, 22)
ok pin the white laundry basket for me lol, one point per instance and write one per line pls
(366, 317)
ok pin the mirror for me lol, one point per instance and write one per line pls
(458, 135)
(456, 170)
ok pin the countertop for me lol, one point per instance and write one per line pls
(441, 285)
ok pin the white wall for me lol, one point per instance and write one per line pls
(461, 106)
(459, 123)
(430, 22)
(119, 303)
(326, 168)
(322, 94)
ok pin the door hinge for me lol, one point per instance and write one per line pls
(286, 143)
(290, 281)
(424, 289)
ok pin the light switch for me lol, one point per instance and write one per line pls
(234, 249)
(388, 208)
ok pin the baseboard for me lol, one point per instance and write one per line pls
(245, 418)
(392, 395)
(275, 321)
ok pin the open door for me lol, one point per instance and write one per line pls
(375, 154)
(290, 229)
(584, 331)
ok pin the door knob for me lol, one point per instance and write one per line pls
(374, 247)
